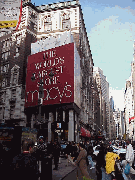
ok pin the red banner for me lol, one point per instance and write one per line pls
(58, 88)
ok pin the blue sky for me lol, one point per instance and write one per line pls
(110, 26)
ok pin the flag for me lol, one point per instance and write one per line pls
(132, 118)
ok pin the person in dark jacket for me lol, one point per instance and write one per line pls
(50, 148)
(100, 162)
(41, 148)
(24, 165)
(56, 154)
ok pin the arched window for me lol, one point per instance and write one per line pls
(65, 20)
(48, 23)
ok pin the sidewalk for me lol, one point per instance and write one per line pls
(68, 172)
(62, 171)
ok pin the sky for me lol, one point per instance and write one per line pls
(110, 26)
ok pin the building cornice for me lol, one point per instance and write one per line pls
(58, 6)
(31, 5)
(73, 30)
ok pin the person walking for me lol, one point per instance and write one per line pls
(90, 156)
(81, 163)
(68, 152)
(24, 165)
(74, 150)
(110, 163)
(41, 148)
(100, 162)
(129, 157)
(56, 154)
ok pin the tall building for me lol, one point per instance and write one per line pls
(129, 107)
(104, 100)
(39, 24)
(133, 75)
(119, 123)
(112, 122)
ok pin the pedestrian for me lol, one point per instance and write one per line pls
(129, 156)
(87, 145)
(110, 162)
(90, 156)
(100, 162)
(41, 148)
(81, 162)
(56, 154)
(24, 165)
(68, 152)
(74, 150)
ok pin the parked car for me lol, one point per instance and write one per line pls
(63, 149)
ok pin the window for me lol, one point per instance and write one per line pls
(14, 75)
(32, 25)
(5, 55)
(12, 111)
(48, 23)
(4, 69)
(2, 97)
(65, 20)
(4, 82)
(1, 113)
(13, 93)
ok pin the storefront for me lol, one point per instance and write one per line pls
(52, 89)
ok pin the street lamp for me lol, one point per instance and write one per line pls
(41, 95)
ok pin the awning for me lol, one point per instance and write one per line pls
(85, 132)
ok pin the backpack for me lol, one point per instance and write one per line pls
(127, 169)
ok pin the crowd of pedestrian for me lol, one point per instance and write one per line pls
(80, 155)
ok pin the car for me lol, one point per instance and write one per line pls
(63, 149)
(115, 149)
(120, 151)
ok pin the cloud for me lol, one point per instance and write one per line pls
(111, 44)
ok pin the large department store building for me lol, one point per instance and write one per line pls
(19, 56)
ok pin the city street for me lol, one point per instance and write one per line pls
(74, 173)
(68, 172)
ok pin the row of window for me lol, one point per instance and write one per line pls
(3, 95)
(2, 112)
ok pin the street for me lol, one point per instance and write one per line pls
(75, 173)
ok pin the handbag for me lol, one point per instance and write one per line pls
(127, 169)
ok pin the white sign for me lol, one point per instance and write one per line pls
(10, 14)
(51, 42)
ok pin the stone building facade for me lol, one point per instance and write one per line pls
(129, 107)
(40, 23)
(112, 122)
(103, 86)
